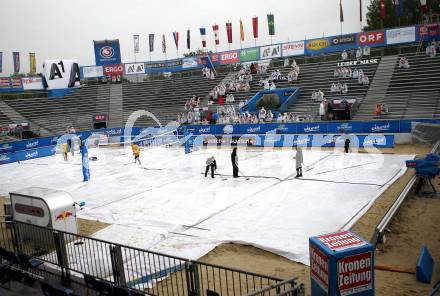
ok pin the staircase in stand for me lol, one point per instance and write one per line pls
(115, 117)
(378, 87)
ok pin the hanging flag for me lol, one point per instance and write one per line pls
(271, 24)
(188, 39)
(32, 63)
(203, 35)
(341, 12)
(255, 26)
(164, 45)
(360, 10)
(423, 5)
(382, 9)
(151, 42)
(229, 31)
(1, 61)
(216, 35)
(241, 31)
(176, 39)
(136, 43)
(398, 7)
(16, 58)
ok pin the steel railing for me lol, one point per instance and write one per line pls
(143, 270)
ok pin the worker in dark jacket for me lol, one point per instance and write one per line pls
(210, 163)
(234, 160)
(347, 145)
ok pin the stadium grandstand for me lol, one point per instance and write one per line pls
(268, 167)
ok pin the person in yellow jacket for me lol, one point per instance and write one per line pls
(64, 150)
(136, 153)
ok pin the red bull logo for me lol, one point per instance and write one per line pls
(64, 215)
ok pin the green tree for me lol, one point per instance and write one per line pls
(411, 14)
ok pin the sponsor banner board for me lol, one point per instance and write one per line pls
(373, 38)
(92, 71)
(134, 68)
(293, 48)
(107, 52)
(229, 57)
(401, 35)
(270, 52)
(113, 70)
(250, 54)
(32, 83)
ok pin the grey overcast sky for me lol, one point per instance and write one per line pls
(66, 29)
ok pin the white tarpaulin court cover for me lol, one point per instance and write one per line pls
(167, 205)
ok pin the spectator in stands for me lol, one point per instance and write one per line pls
(344, 89)
(269, 116)
(262, 114)
(344, 55)
(241, 104)
(322, 110)
(72, 130)
(286, 62)
(359, 53)
(378, 110)
(253, 68)
(272, 86)
(366, 51)
(355, 74)
(384, 109)
(197, 115)
(221, 100)
(280, 118)
(403, 63)
(330, 110)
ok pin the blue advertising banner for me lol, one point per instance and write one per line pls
(312, 128)
(427, 32)
(26, 154)
(276, 140)
(107, 52)
(381, 127)
(344, 127)
(330, 44)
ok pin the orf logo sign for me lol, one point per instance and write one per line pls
(107, 52)
(371, 37)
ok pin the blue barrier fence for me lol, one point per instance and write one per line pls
(341, 127)
(289, 134)
(277, 140)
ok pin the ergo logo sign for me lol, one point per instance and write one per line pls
(114, 69)
(371, 37)
(229, 57)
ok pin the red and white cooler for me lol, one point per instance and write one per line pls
(342, 264)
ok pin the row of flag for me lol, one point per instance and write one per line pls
(16, 60)
(215, 30)
(397, 4)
